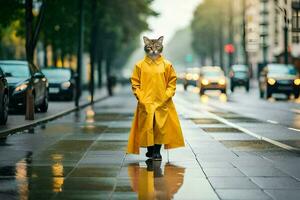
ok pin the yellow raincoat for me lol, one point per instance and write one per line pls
(155, 119)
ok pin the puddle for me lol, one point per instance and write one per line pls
(117, 130)
(112, 116)
(206, 121)
(91, 128)
(250, 145)
(221, 130)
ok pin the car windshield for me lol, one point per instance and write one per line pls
(240, 74)
(239, 68)
(282, 70)
(213, 73)
(193, 70)
(57, 73)
(15, 70)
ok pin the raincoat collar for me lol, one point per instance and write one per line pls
(159, 60)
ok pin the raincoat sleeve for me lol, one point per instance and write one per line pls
(135, 82)
(171, 82)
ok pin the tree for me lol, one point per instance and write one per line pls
(208, 30)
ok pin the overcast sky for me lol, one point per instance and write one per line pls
(174, 14)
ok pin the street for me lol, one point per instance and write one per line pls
(82, 155)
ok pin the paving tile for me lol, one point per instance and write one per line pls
(232, 183)
(262, 171)
(216, 164)
(231, 172)
(83, 194)
(95, 172)
(288, 194)
(276, 182)
(242, 194)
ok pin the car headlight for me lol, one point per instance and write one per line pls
(21, 87)
(195, 77)
(297, 81)
(189, 77)
(65, 85)
(222, 82)
(271, 81)
(205, 82)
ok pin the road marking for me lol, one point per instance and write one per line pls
(274, 142)
(272, 122)
(294, 129)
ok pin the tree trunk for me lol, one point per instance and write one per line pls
(29, 30)
(79, 53)
(93, 48)
(100, 60)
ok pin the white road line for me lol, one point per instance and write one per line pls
(294, 129)
(272, 121)
(276, 143)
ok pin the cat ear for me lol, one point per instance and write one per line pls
(160, 39)
(146, 40)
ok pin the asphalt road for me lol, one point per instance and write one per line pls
(232, 152)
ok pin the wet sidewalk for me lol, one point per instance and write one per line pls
(81, 156)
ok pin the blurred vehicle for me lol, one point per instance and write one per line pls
(279, 78)
(61, 83)
(239, 76)
(4, 99)
(212, 78)
(20, 77)
(191, 77)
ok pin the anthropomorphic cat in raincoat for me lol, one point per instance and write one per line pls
(155, 120)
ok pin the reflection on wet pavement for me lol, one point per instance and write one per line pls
(153, 182)
(82, 156)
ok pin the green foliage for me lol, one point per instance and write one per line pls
(208, 17)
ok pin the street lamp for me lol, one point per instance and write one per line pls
(285, 33)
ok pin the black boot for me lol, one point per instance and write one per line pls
(149, 154)
(156, 152)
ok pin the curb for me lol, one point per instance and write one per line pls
(11, 131)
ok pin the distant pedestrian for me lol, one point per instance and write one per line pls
(155, 121)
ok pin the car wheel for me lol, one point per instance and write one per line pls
(297, 94)
(261, 93)
(185, 87)
(247, 87)
(202, 92)
(268, 93)
(4, 110)
(223, 91)
(44, 107)
(232, 88)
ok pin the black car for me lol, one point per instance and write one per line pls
(4, 99)
(279, 78)
(239, 76)
(61, 83)
(20, 77)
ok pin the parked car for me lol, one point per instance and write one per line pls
(61, 83)
(239, 76)
(279, 78)
(4, 99)
(20, 77)
(191, 77)
(212, 78)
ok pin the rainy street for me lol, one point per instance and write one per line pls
(82, 155)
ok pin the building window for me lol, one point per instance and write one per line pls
(295, 37)
(295, 20)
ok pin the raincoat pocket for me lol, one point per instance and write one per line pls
(161, 117)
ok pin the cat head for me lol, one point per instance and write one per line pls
(153, 47)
